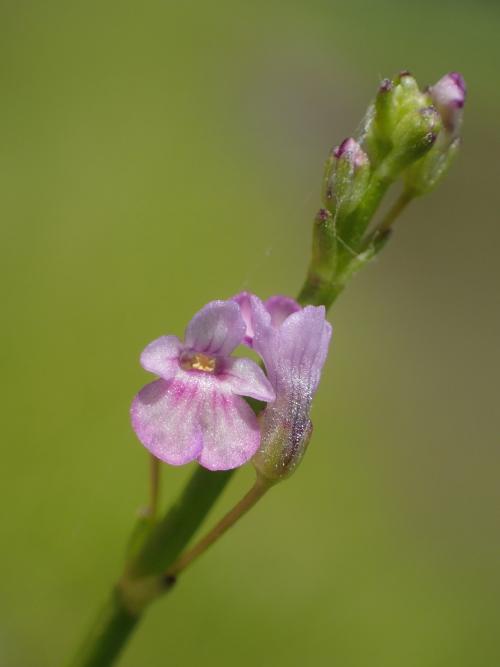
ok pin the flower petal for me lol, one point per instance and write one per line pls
(303, 342)
(244, 378)
(280, 307)
(161, 357)
(165, 417)
(216, 329)
(295, 353)
(261, 318)
(231, 434)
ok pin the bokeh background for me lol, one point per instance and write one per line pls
(156, 155)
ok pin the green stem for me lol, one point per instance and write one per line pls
(111, 631)
(319, 292)
(354, 225)
(171, 535)
(143, 580)
(154, 486)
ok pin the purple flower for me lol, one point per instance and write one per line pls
(448, 94)
(195, 410)
(294, 352)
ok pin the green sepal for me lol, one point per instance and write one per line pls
(378, 122)
(279, 454)
(351, 228)
(346, 178)
(407, 97)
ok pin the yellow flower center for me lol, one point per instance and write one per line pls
(198, 362)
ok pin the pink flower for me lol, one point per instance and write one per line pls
(294, 349)
(195, 410)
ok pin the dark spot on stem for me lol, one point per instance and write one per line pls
(169, 582)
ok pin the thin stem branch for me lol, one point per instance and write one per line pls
(258, 490)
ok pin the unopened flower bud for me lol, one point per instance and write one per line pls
(394, 101)
(407, 96)
(383, 111)
(346, 177)
(448, 95)
(376, 130)
(413, 137)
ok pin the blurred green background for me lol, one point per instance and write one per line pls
(157, 155)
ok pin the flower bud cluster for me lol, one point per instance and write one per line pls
(410, 135)
(413, 133)
(448, 96)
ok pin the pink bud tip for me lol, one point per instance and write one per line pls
(323, 215)
(352, 151)
(448, 94)
(386, 86)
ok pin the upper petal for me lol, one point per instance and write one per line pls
(216, 329)
(303, 341)
(272, 312)
(165, 417)
(261, 319)
(295, 353)
(244, 302)
(231, 434)
(243, 377)
(161, 357)
(280, 307)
